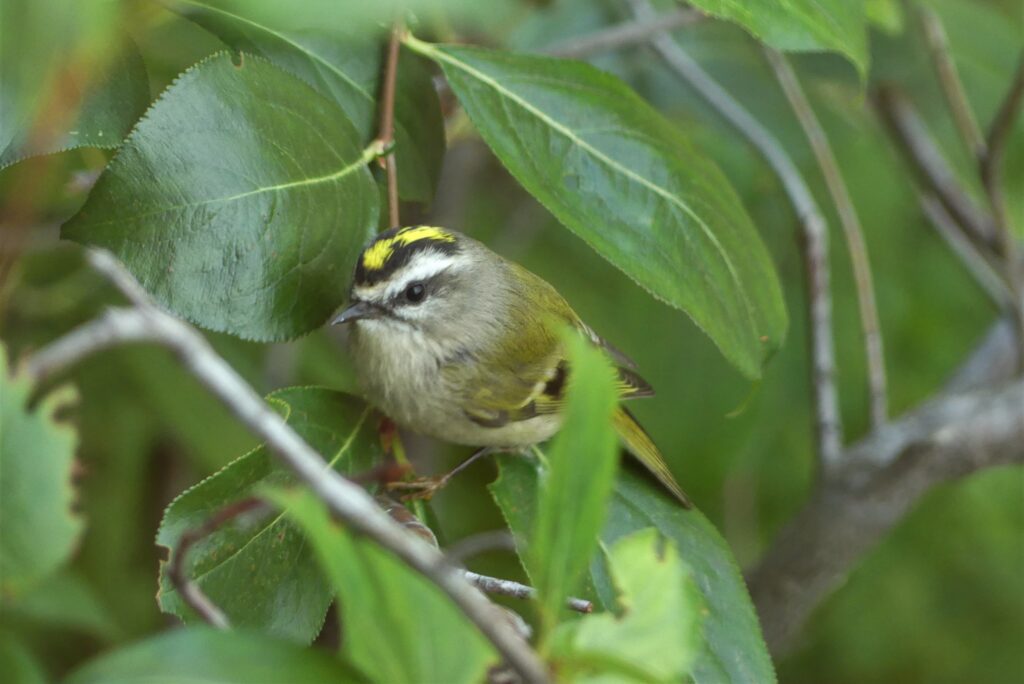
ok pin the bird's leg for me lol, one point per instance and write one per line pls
(426, 487)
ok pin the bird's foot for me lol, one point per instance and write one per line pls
(421, 488)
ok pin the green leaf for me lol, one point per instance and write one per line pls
(64, 601)
(200, 654)
(68, 77)
(18, 665)
(571, 507)
(800, 25)
(624, 179)
(259, 569)
(113, 97)
(734, 650)
(345, 67)
(38, 530)
(397, 626)
(240, 201)
(656, 635)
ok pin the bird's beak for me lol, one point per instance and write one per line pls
(355, 312)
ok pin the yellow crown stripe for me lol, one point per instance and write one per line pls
(377, 255)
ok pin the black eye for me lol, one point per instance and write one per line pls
(415, 293)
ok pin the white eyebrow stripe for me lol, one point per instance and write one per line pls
(423, 266)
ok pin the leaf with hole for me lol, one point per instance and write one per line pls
(345, 67)
(259, 569)
(241, 201)
(397, 626)
(733, 648)
(624, 179)
(36, 493)
(654, 635)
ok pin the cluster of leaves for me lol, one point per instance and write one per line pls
(240, 199)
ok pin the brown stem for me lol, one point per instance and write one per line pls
(814, 234)
(386, 133)
(196, 599)
(949, 80)
(990, 166)
(931, 166)
(877, 392)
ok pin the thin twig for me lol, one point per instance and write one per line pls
(979, 267)
(877, 391)
(386, 134)
(186, 588)
(504, 587)
(624, 35)
(990, 167)
(928, 162)
(952, 87)
(347, 501)
(828, 426)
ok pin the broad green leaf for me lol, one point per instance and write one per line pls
(655, 634)
(800, 25)
(733, 650)
(240, 201)
(574, 497)
(259, 569)
(397, 626)
(67, 77)
(38, 530)
(201, 654)
(624, 179)
(64, 601)
(345, 67)
(17, 662)
(112, 99)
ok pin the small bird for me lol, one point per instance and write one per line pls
(453, 341)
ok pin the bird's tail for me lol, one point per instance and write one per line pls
(642, 447)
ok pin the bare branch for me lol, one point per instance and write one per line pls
(877, 392)
(991, 177)
(977, 264)
(386, 134)
(624, 35)
(952, 87)
(196, 599)
(880, 479)
(828, 426)
(346, 500)
(925, 158)
(493, 585)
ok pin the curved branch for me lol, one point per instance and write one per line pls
(345, 499)
(857, 248)
(828, 425)
(880, 479)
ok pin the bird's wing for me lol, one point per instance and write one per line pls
(521, 381)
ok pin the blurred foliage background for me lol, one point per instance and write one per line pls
(941, 600)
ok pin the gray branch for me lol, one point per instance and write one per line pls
(969, 426)
(828, 426)
(625, 35)
(346, 500)
(504, 587)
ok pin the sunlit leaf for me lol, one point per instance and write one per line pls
(628, 182)
(733, 649)
(201, 654)
(240, 201)
(397, 626)
(259, 569)
(38, 530)
(655, 633)
(346, 67)
(574, 496)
